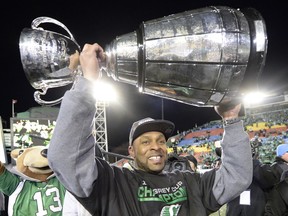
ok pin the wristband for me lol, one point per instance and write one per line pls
(231, 121)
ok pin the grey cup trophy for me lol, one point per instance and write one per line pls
(199, 57)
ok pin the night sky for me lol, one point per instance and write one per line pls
(101, 22)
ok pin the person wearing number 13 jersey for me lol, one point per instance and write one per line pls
(31, 186)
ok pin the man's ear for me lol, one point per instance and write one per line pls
(131, 151)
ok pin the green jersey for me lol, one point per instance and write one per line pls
(32, 198)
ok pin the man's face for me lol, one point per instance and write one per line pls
(149, 152)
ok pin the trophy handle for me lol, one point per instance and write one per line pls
(37, 95)
(39, 20)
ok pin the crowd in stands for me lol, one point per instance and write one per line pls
(266, 130)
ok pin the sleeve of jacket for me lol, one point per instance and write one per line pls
(71, 152)
(236, 171)
(283, 190)
(277, 200)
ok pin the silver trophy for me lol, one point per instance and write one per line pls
(199, 57)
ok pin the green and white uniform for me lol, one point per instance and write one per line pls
(30, 197)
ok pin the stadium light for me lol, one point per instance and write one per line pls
(103, 91)
(254, 98)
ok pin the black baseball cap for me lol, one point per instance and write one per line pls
(149, 124)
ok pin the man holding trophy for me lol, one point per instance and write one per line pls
(104, 189)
